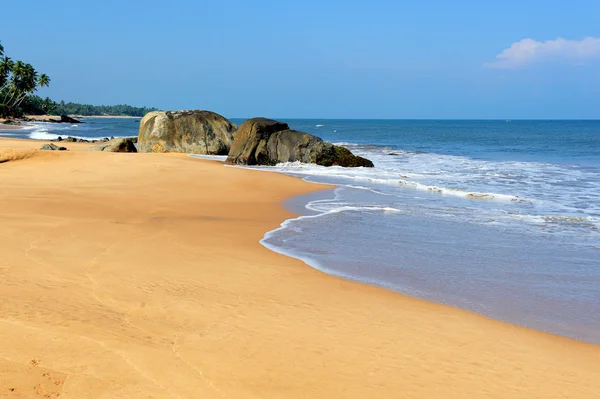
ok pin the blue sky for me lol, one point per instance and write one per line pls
(321, 59)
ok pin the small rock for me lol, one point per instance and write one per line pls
(52, 147)
(116, 145)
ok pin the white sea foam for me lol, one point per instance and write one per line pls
(394, 177)
(220, 158)
(347, 207)
(43, 134)
(490, 192)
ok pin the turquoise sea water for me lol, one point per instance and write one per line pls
(498, 217)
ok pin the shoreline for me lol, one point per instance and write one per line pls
(189, 314)
(105, 117)
(13, 127)
(43, 118)
(304, 212)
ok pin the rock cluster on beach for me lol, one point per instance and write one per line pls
(261, 141)
(70, 139)
(258, 141)
(113, 145)
(52, 147)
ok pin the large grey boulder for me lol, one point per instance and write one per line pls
(197, 132)
(261, 141)
(115, 145)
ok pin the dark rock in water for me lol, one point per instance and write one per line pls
(197, 132)
(68, 119)
(261, 141)
(52, 147)
(335, 155)
(64, 119)
(116, 145)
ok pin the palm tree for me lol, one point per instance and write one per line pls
(29, 83)
(1, 50)
(23, 82)
(44, 80)
(48, 104)
(6, 66)
(16, 81)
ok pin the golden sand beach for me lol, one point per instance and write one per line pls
(142, 276)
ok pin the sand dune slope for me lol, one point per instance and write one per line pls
(141, 276)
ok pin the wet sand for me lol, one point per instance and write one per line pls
(141, 275)
(11, 127)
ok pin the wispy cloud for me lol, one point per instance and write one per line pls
(529, 51)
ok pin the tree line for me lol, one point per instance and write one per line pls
(18, 83)
(39, 106)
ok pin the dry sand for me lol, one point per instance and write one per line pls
(43, 117)
(38, 117)
(141, 276)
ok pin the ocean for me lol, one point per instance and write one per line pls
(498, 217)
(91, 129)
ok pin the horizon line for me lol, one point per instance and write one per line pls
(429, 119)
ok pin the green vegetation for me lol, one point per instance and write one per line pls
(18, 82)
(36, 105)
(87, 110)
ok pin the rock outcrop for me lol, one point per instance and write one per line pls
(261, 141)
(52, 147)
(64, 119)
(197, 132)
(116, 145)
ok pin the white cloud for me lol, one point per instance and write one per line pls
(529, 51)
